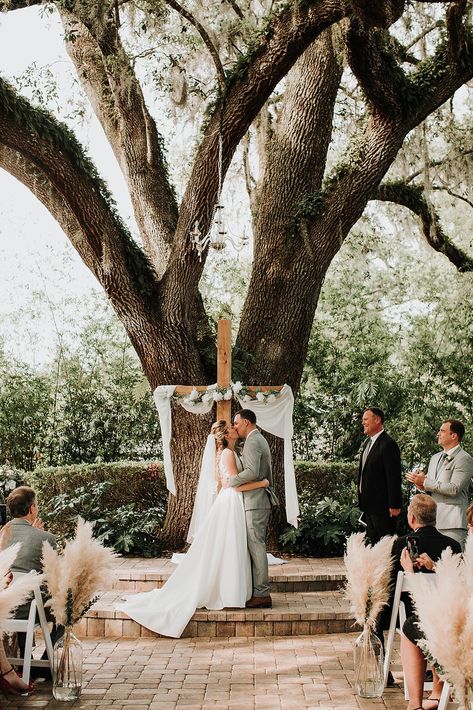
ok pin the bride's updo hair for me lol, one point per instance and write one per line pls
(219, 431)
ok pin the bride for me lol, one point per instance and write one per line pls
(215, 573)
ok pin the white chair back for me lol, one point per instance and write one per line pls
(28, 626)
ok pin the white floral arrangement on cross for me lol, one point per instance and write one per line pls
(217, 394)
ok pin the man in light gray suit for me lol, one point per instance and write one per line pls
(448, 480)
(256, 461)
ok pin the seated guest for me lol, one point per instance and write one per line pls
(27, 528)
(430, 543)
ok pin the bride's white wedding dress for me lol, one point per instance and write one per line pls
(215, 573)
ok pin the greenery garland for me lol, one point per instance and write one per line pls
(216, 394)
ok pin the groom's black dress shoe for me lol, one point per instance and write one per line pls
(259, 603)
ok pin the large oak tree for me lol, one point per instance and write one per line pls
(302, 211)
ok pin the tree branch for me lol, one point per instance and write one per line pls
(111, 85)
(382, 79)
(413, 197)
(436, 79)
(428, 30)
(444, 188)
(238, 12)
(47, 158)
(455, 28)
(378, 14)
(248, 87)
(205, 38)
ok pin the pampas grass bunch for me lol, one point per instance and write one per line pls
(445, 611)
(19, 590)
(74, 576)
(368, 571)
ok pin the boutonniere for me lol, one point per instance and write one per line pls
(448, 459)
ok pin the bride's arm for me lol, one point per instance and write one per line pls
(252, 485)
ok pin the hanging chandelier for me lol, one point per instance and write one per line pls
(218, 235)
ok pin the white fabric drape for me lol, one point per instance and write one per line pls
(206, 489)
(275, 417)
(162, 399)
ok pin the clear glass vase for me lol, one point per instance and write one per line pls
(369, 659)
(67, 667)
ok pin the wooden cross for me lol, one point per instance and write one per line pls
(224, 372)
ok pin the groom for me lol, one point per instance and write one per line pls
(256, 461)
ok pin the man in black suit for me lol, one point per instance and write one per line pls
(379, 478)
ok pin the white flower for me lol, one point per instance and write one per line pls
(194, 395)
(206, 397)
(271, 397)
(211, 388)
(260, 396)
(246, 398)
(11, 484)
(228, 394)
(237, 386)
(217, 396)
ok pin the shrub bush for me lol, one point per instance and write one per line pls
(138, 482)
(125, 500)
(325, 479)
(10, 478)
(324, 524)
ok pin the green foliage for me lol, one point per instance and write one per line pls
(132, 482)
(126, 504)
(307, 208)
(320, 479)
(25, 399)
(10, 478)
(93, 405)
(324, 525)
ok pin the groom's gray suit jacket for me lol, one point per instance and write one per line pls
(256, 462)
(449, 483)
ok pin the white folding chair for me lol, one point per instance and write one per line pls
(444, 701)
(29, 626)
(398, 609)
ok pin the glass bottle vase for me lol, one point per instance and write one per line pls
(369, 660)
(67, 667)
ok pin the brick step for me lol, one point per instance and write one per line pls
(297, 575)
(293, 614)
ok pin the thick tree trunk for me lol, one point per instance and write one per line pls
(187, 444)
(301, 222)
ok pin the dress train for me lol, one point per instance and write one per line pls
(215, 573)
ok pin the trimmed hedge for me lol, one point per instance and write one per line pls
(324, 479)
(127, 501)
(143, 482)
(136, 482)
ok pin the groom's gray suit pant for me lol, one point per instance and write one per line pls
(256, 524)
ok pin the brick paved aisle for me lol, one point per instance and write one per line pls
(285, 673)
